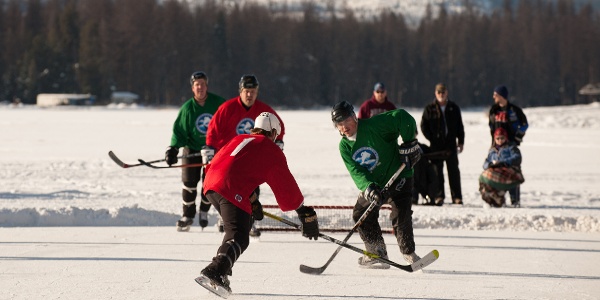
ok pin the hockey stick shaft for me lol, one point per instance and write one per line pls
(119, 162)
(316, 271)
(425, 261)
(148, 164)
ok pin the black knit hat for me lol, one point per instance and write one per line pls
(502, 91)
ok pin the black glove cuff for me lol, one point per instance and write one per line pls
(305, 211)
(257, 210)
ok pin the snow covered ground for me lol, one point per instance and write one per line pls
(74, 225)
(56, 171)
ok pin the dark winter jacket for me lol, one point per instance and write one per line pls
(511, 118)
(433, 126)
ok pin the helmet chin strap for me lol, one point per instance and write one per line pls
(274, 134)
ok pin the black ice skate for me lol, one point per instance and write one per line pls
(214, 282)
(203, 219)
(184, 224)
(254, 232)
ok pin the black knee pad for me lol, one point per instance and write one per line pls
(189, 192)
(227, 255)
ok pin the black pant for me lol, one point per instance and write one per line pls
(400, 195)
(453, 176)
(425, 180)
(237, 224)
(190, 178)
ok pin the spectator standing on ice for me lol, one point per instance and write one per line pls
(377, 104)
(442, 125)
(370, 151)
(189, 131)
(504, 114)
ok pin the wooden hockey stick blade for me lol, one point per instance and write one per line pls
(318, 271)
(425, 260)
(117, 160)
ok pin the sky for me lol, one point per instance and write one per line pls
(74, 225)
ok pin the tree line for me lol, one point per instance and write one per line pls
(544, 51)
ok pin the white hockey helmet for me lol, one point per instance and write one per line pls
(268, 121)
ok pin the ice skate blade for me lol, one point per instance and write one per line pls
(375, 266)
(206, 283)
(183, 229)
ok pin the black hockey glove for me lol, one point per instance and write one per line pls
(279, 143)
(519, 136)
(207, 153)
(257, 210)
(410, 153)
(310, 224)
(171, 155)
(374, 195)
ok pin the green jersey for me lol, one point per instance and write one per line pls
(373, 157)
(191, 125)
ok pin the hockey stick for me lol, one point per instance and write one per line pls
(148, 164)
(421, 263)
(317, 271)
(119, 162)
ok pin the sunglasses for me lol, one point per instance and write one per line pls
(441, 92)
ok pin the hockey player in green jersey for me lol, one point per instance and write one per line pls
(189, 131)
(370, 151)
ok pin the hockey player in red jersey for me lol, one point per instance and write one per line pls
(232, 177)
(236, 116)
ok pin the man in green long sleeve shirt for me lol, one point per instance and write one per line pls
(370, 151)
(189, 131)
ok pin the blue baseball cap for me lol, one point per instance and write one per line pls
(379, 87)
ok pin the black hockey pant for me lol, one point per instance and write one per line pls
(400, 199)
(190, 178)
(237, 224)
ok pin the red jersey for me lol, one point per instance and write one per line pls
(232, 119)
(246, 162)
(371, 108)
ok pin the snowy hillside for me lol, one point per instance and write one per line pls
(412, 10)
